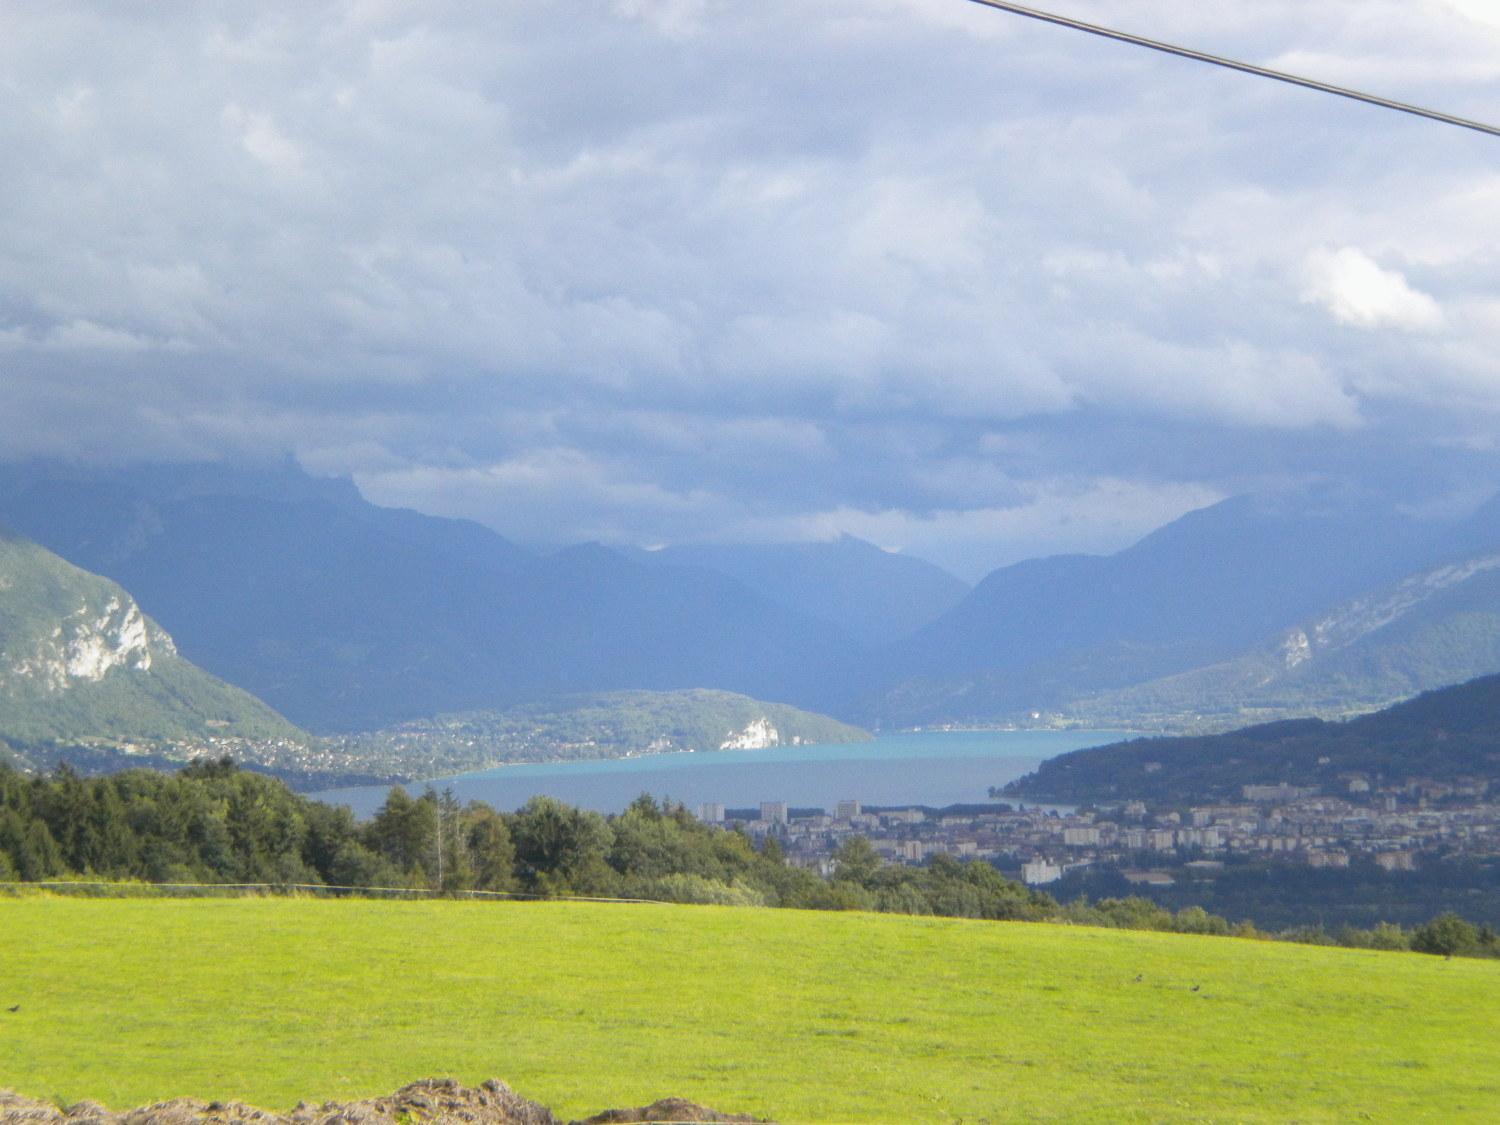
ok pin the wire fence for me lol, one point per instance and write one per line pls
(104, 889)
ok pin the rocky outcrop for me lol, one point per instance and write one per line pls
(432, 1101)
(89, 643)
(1359, 618)
(758, 734)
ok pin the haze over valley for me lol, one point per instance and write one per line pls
(350, 619)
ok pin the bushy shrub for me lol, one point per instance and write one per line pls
(1196, 920)
(684, 887)
(1447, 934)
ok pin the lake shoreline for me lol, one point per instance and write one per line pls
(911, 769)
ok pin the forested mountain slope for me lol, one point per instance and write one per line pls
(1444, 736)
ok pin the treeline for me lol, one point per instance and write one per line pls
(1284, 896)
(214, 823)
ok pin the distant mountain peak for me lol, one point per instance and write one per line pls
(870, 594)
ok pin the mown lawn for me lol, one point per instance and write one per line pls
(792, 1015)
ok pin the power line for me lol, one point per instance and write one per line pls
(1242, 67)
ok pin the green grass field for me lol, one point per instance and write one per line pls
(798, 1016)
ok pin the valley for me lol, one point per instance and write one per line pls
(1166, 635)
(919, 561)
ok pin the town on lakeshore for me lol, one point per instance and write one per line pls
(1395, 828)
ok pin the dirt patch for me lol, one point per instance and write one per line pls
(668, 1109)
(435, 1100)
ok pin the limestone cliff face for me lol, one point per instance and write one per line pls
(1434, 628)
(81, 662)
(758, 734)
(1364, 616)
(1358, 619)
(102, 634)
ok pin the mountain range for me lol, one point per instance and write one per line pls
(1439, 626)
(345, 616)
(1257, 605)
(876, 597)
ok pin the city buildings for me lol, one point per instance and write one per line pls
(1397, 828)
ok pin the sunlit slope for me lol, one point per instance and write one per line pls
(80, 662)
(801, 1016)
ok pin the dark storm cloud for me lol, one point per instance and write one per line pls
(669, 269)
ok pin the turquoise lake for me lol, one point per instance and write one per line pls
(935, 768)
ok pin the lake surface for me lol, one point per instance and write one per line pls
(935, 768)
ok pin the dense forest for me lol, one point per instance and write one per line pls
(214, 823)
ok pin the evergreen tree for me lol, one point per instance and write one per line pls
(490, 846)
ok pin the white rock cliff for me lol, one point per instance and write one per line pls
(757, 735)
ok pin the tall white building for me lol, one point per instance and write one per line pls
(1081, 837)
(774, 812)
(1039, 871)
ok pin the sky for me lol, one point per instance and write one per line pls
(657, 271)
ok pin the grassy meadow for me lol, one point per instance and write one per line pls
(804, 1017)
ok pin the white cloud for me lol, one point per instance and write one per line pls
(260, 137)
(80, 336)
(1356, 290)
(1066, 515)
(676, 19)
(1480, 11)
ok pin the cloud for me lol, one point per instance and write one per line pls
(676, 19)
(260, 137)
(684, 268)
(1480, 11)
(1355, 290)
(1067, 515)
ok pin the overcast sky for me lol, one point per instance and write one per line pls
(668, 270)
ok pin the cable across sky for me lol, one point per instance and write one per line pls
(1242, 67)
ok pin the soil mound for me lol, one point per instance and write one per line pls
(434, 1101)
(665, 1110)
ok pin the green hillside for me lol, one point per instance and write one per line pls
(804, 1017)
(1450, 735)
(81, 664)
(605, 725)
